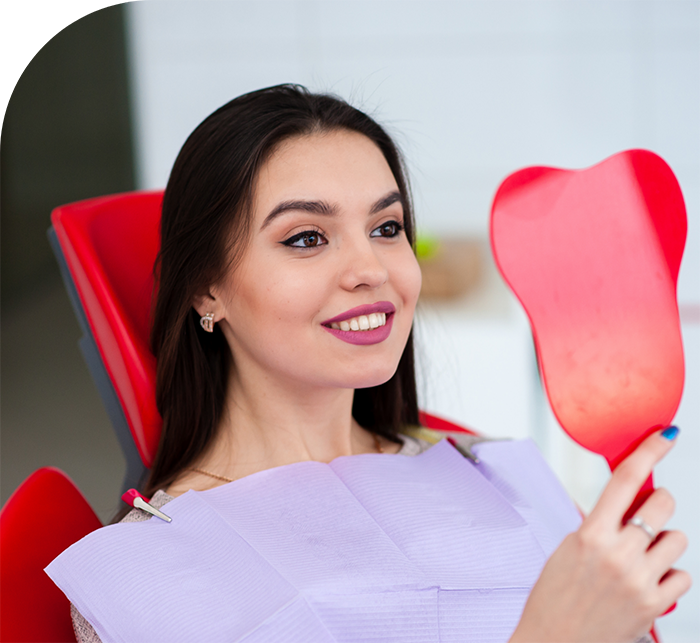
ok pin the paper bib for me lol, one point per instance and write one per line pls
(371, 547)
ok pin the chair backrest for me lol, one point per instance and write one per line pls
(44, 516)
(106, 248)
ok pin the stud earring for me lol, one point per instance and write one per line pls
(207, 322)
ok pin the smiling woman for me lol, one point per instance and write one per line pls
(282, 331)
(296, 216)
(326, 245)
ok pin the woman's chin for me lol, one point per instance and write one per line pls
(369, 378)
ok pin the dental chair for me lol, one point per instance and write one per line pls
(106, 248)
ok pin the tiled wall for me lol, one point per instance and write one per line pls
(472, 90)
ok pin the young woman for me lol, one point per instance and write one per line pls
(282, 328)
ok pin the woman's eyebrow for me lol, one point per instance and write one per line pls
(322, 207)
(386, 201)
(314, 207)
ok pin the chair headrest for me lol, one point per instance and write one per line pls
(110, 245)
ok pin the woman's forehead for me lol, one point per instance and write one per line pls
(336, 165)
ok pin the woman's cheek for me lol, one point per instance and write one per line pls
(411, 279)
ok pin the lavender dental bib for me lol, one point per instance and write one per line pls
(366, 548)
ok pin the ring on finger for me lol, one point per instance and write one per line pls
(637, 521)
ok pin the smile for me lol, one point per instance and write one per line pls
(361, 323)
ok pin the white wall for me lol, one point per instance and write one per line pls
(473, 91)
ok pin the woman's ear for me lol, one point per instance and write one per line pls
(208, 304)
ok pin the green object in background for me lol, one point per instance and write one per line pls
(426, 246)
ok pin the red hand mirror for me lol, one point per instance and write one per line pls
(593, 256)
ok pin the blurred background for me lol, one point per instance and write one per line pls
(471, 90)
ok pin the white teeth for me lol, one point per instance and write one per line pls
(363, 322)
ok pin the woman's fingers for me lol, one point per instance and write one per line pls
(665, 551)
(629, 476)
(673, 585)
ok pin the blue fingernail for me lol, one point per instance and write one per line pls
(671, 433)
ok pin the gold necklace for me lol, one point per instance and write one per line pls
(207, 473)
(377, 446)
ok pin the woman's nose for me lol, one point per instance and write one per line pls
(362, 267)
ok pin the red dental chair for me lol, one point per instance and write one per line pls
(106, 248)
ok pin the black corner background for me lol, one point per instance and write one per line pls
(66, 136)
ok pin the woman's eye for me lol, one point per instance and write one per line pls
(388, 229)
(306, 239)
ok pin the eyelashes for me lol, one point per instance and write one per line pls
(307, 239)
(313, 238)
(388, 230)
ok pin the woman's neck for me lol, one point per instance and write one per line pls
(270, 424)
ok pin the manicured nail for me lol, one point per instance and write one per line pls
(671, 433)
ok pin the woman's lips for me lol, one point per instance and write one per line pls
(363, 337)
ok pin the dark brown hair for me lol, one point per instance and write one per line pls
(204, 229)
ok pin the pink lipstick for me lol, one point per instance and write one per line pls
(356, 323)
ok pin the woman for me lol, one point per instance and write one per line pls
(282, 329)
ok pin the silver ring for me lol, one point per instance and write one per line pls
(639, 522)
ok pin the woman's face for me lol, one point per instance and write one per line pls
(325, 292)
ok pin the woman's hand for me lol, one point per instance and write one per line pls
(609, 581)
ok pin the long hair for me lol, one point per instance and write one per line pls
(204, 230)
